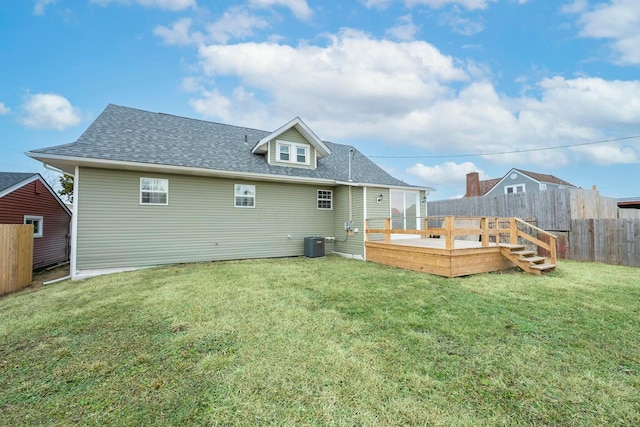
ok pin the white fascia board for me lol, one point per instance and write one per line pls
(179, 170)
(296, 122)
(35, 177)
(391, 187)
(20, 184)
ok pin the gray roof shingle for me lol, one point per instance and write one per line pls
(8, 179)
(132, 135)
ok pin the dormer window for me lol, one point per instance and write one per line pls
(290, 152)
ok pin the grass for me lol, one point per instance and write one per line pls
(324, 342)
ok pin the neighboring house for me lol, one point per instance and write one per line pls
(153, 188)
(629, 203)
(26, 198)
(515, 181)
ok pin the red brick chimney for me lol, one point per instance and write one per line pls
(473, 185)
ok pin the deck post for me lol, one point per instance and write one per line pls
(483, 230)
(387, 230)
(448, 226)
(552, 250)
(366, 228)
(513, 232)
(426, 227)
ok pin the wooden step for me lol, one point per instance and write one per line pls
(512, 247)
(535, 259)
(544, 267)
(523, 253)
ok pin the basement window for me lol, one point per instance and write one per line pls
(325, 199)
(245, 196)
(154, 191)
(37, 224)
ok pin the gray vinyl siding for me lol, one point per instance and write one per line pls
(355, 243)
(200, 223)
(530, 184)
(377, 212)
(292, 135)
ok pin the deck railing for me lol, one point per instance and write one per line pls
(487, 230)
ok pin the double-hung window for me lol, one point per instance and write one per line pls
(290, 152)
(325, 199)
(154, 191)
(245, 196)
(512, 189)
(37, 224)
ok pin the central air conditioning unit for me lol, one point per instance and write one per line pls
(313, 247)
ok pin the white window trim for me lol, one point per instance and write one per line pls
(35, 218)
(318, 199)
(235, 187)
(515, 188)
(293, 152)
(154, 191)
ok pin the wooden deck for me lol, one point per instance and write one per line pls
(464, 246)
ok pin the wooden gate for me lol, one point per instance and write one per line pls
(16, 257)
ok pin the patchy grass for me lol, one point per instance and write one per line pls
(324, 341)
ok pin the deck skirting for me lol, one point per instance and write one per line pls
(442, 262)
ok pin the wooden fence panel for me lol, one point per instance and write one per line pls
(16, 257)
(550, 209)
(611, 241)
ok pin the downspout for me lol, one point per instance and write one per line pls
(74, 225)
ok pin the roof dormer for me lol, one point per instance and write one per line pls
(293, 144)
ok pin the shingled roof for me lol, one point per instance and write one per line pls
(123, 134)
(546, 178)
(9, 179)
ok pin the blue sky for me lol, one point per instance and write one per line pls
(423, 87)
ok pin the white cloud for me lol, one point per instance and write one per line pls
(446, 174)
(356, 87)
(608, 155)
(618, 21)
(299, 8)
(177, 34)
(460, 24)
(38, 8)
(4, 109)
(353, 74)
(49, 111)
(436, 4)
(405, 30)
(235, 23)
(173, 5)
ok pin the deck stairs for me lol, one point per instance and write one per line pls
(527, 260)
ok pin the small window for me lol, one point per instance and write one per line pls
(283, 152)
(154, 191)
(245, 196)
(325, 199)
(511, 189)
(291, 152)
(301, 155)
(37, 224)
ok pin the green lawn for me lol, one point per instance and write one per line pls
(324, 341)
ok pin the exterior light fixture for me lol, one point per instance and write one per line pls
(379, 199)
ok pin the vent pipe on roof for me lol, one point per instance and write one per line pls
(351, 151)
